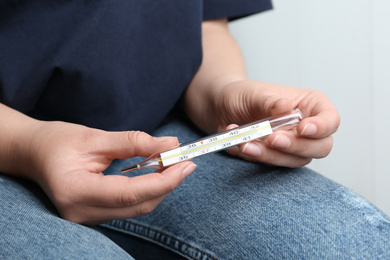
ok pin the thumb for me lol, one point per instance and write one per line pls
(264, 106)
(257, 101)
(121, 145)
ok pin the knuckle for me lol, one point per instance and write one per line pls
(326, 149)
(301, 150)
(313, 93)
(171, 186)
(235, 151)
(338, 120)
(135, 136)
(299, 162)
(146, 208)
(305, 161)
(128, 198)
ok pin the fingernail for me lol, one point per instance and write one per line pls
(231, 126)
(281, 141)
(188, 170)
(309, 129)
(251, 149)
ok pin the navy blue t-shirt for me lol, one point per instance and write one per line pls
(114, 65)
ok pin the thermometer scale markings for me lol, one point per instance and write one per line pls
(189, 151)
(217, 142)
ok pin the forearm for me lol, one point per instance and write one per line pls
(222, 63)
(14, 129)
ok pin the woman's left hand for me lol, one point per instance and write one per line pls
(246, 101)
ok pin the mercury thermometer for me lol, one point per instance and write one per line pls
(218, 142)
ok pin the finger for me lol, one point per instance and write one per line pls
(279, 158)
(93, 215)
(120, 145)
(231, 126)
(323, 124)
(120, 191)
(271, 156)
(289, 142)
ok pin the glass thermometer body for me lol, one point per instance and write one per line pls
(218, 142)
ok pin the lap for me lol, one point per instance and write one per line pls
(232, 209)
(31, 229)
(226, 209)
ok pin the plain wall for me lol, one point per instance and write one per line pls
(341, 48)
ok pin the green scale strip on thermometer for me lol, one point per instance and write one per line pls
(219, 141)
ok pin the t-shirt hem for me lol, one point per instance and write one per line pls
(246, 9)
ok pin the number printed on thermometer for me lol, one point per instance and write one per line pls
(215, 143)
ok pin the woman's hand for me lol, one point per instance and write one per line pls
(220, 95)
(67, 161)
(246, 101)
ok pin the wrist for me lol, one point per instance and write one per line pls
(22, 151)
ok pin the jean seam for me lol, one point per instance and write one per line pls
(122, 226)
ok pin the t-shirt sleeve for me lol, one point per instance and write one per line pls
(233, 9)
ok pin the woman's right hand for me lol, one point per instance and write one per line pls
(72, 158)
(67, 161)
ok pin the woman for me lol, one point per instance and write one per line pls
(77, 76)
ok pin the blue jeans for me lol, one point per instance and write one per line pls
(227, 209)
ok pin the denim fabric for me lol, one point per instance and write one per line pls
(227, 209)
(31, 229)
(232, 209)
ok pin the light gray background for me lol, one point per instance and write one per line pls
(341, 48)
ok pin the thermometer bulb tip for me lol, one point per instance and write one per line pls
(130, 168)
